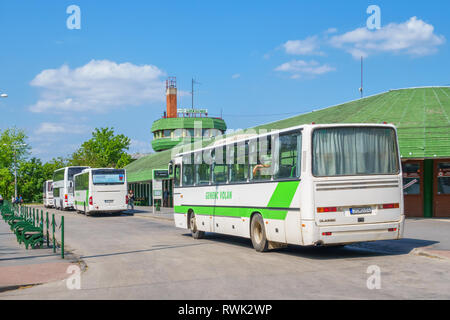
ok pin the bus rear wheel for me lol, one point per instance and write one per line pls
(258, 234)
(196, 234)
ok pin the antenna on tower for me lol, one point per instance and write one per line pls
(192, 91)
(361, 88)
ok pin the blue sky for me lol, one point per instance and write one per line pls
(257, 61)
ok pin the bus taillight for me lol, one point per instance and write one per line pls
(390, 206)
(326, 209)
(66, 197)
(91, 202)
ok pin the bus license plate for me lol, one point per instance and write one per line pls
(364, 210)
(109, 201)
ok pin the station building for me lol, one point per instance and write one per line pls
(176, 126)
(422, 117)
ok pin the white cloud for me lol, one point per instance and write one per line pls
(413, 37)
(51, 128)
(235, 76)
(331, 30)
(139, 146)
(97, 86)
(300, 68)
(309, 46)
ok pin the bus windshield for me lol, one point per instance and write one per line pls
(74, 171)
(106, 177)
(350, 151)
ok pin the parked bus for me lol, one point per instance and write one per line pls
(101, 190)
(48, 194)
(63, 195)
(306, 185)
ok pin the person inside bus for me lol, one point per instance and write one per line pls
(262, 169)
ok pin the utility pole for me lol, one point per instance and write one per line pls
(15, 164)
(15, 173)
(361, 89)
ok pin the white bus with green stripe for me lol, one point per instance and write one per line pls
(102, 190)
(307, 185)
(63, 194)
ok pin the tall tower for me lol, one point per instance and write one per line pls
(181, 125)
(171, 96)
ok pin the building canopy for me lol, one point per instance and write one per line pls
(422, 116)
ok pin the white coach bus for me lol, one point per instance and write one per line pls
(101, 190)
(63, 195)
(48, 194)
(306, 185)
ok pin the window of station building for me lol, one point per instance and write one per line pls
(167, 133)
(238, 158)
(202, 170)
(287, 154)
(411, 178)
(443, 178)
(210, 133)
(188, 170)
(220, 167)
(189, 132)
(177, 133)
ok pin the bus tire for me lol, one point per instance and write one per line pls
(196, 234)
(258, 233)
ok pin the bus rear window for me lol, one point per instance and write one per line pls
(350, 151)
(108, 177)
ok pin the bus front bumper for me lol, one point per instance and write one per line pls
(331, 235)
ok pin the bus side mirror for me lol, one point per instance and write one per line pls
(170, 168)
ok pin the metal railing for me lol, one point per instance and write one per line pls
(30, 227)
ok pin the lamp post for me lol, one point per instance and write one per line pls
(15, 164)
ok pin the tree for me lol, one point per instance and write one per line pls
(13, 151)
(103, 150)
(31, 179)
(52, 165)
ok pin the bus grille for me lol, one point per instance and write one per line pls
(336, 185)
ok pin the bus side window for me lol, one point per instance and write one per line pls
(220, 168)
(188, 170)
(263, 169)
(240, 162)
(288, 155)
(202, 170)
(176, 176)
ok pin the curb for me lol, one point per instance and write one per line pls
(432, 253)
(153, 217)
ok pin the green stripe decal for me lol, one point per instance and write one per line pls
(281, 198)
(283, 194)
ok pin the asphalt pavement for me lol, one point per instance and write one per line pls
(143, 256)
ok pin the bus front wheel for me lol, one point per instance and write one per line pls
(196, 234)
(258, 234)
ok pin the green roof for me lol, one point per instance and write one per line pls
(422, 117)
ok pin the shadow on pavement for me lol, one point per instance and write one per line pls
(357, 250)
(156, 248)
